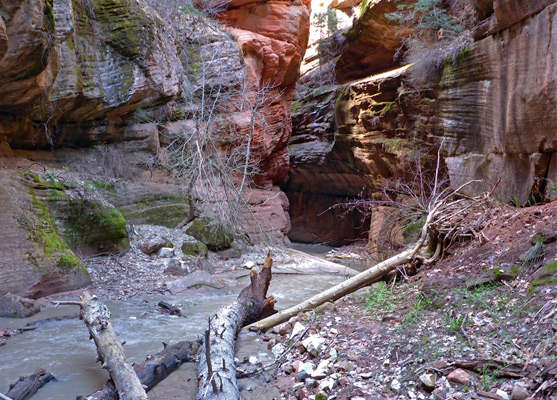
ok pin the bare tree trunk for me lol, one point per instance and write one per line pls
(217, 372)
(27, 386)
(351, 285)
(153, 370)
(110, 352)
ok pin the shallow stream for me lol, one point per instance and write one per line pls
(62, 347)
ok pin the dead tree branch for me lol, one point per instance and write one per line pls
(27, 386)
(217, 372)
(437, 210)
(110, 352)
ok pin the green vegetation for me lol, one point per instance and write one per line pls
(546, 275)
(412, 231)
(211, 233)
(455, 324)
(379, 298)
(427, 17)
(194, 249)
(44, 233)
(96, 224)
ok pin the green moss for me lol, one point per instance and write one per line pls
(69, 261)
(194, 249)
(95, 224)
(126, 25)
(213, 234)
(96, 185)
(546, 275)
(45, 234)
(413, 229)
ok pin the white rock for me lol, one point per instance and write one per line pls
(502, 394)
(166, 252)
(395, 385)
(253, 360)
(298, 328)
(321, 371)
(314, 344)
(278, 349)
(248, 265)
(428, 380)
(327, 384)
(333, 354)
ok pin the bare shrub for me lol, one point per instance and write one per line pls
(208, 132)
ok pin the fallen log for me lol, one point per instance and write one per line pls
(153, 370)
(27, 386)
(435, 214)
(217, 372)
(109, 349)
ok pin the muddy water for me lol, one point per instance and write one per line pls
(63, 348)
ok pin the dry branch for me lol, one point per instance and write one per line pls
(153, 370)
(27, 386)
(217, 372)
(110, 352)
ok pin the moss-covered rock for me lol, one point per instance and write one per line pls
(546, 275)
(97, 224)
(194, 248)
(215, 235)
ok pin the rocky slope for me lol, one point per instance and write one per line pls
(487, 110)
(80, 73)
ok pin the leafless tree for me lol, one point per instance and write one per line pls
(210, 148)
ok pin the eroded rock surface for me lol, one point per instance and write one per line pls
(490, 111)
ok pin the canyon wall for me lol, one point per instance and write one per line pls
(75, 74)
(491, 111)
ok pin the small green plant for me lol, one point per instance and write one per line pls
(488, 377)
(455, 324)
(416, 313)
(516, 201)
(378, 298)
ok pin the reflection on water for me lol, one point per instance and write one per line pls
(63, 347)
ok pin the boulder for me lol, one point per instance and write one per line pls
(15, 306)
(194, 248)
(150, 246)
(166, 252)
(210, 232)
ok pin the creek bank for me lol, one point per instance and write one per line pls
(455, 326)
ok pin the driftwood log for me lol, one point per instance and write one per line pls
(109, 349)
(217, 372)
(153, 370)
(441, 209)
(27, 386)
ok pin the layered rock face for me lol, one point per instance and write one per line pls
(74, 71)
(490, 111)
(494, 105)
(84, 72)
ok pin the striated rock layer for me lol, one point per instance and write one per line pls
(78, 73)
(492, 112)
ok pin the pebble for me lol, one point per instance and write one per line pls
(459, 376)
(428, 380)
(298, 328)
(518, 393)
